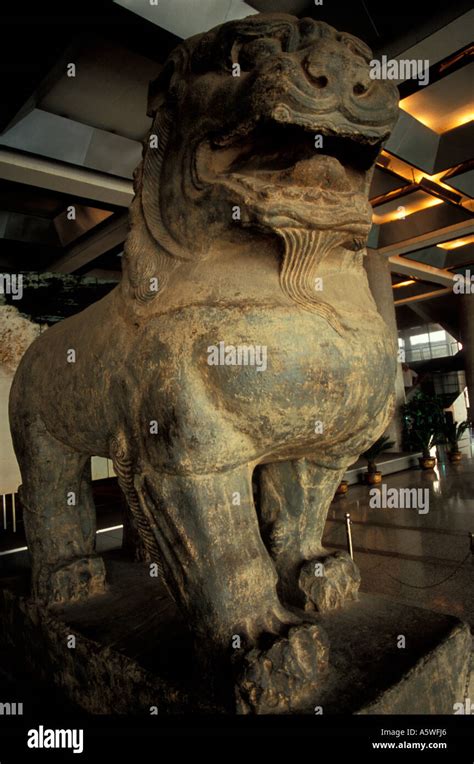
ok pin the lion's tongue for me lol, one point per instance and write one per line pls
(320, 171)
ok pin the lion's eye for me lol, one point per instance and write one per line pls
(251, 53)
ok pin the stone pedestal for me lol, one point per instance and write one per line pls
(127, 651)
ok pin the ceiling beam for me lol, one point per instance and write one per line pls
(280, 6)
(437, 36)
(74, 143)
(457, 230)
(426, 221)
(185, 19)
(420, 270)
(26, 67)
(67, 179)
(425, 296)
(53, 31)
(430, 315)
(109, 235)
(413, 142)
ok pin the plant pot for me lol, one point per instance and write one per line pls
(373, 478)
(342, 488)
(427, 462)
(454, 456)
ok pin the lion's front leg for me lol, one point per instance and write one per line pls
(222, 577)
(294, 501)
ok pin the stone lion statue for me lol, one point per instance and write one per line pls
(241, 345)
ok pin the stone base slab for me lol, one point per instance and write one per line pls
(127, 651)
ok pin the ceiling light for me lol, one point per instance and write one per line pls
(455, 243)
(404, 283)
(408, 209)
(435, 121)
(462, 119)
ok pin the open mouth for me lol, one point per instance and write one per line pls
(307, 171)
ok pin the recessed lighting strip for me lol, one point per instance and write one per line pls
(25, 548)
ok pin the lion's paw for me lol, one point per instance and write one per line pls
(330, 581)
(78, 579)
(283, 678)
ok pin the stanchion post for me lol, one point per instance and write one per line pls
(13, 513)
(349, 535)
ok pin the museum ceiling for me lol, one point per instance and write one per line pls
(76, 140)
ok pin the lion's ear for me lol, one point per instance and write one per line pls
(158, 88)
(167, 83)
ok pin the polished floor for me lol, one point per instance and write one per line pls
(420, 559)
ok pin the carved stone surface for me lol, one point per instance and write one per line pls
(132, 653)
(329, 581)
(243, 339)
(283, 678)
(16, 334)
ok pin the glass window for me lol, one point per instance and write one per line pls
(419, 339)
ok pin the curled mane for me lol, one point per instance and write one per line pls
(151, 254)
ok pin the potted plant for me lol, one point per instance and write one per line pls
(453, 433)
(373, 475)
(423, 423)
(426, 441)
(342, 488)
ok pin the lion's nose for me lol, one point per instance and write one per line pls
(336, 77)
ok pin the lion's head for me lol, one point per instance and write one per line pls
(270, 122)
